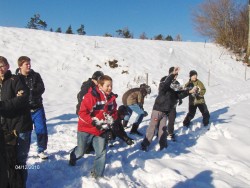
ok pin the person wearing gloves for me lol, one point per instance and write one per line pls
(117, 127)
(196, 99)
(96, 114)
(164, 103)
(133, 99)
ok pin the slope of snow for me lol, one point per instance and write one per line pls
(200, 158)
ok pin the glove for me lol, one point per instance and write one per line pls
(99, 124)
(109, 119)
(180, 102)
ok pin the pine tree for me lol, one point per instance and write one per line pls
(158, 37)
(36, 23)
(124, 33)
(107, 35)
(81, 31)
(169, 38)
(69, 30)
(59, 30)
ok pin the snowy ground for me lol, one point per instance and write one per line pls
(199, 159)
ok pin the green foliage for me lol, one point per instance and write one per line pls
(59, 30)
(124, 33)
(158, 37)
(69, 30)
(107, 35)
(36, 23)
(81, 31)
(169, 38)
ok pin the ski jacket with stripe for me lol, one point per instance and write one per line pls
(95, 104)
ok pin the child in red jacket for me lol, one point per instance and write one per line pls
(96, 114)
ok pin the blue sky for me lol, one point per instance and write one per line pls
(107, 16)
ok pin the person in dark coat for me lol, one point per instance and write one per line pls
(16, 124)
(165, 102)
(35, 84)
(175, 85)
(117, 127)
(90, 83)
(133, 99)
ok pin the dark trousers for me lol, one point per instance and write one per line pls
(191, 113)
(3, 161)
(171, 121)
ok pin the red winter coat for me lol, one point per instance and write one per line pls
(94, 104)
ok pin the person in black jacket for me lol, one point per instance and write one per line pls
(166, 100)
(90, 83)
(36, 87)
(16, 124)
(117, 127)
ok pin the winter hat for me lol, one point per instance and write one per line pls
(192, 72)
(146, 87)
(96, 76)
(171, 69)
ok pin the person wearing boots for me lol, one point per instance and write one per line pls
(165, 102)
(117, 127)
(96, 114)
(196, 99)
(133, 99)
(35, 84)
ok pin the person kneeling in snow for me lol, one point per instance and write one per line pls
(92, 124)
(117, 127)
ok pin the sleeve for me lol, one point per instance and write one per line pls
(38, 87)
(114, 111)
(202, 89)
(86, 108)
(165, 84)
(140, 97)
(16, 102)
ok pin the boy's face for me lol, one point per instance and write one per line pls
(3, 69)
(106, 87)
(25, 68)
(193, 78)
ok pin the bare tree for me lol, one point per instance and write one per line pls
(224, 21)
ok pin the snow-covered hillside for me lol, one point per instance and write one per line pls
(199, 159)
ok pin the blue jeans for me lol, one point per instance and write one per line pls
(99, 144)
(39, 120)
(135, 108)
(23, 148)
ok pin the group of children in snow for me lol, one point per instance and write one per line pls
(99, 121)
